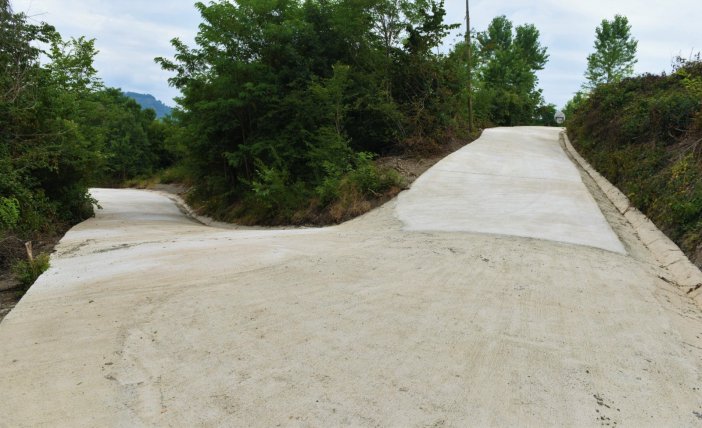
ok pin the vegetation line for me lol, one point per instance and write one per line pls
(643, 135)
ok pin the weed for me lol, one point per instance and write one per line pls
(27, 271)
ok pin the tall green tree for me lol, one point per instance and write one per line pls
(615, 53)
(508, 59)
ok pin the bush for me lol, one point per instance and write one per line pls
(27, 271)
(364, 180)
(9, 212)
(370, 180)
(177, 173)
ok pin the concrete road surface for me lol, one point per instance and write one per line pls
(495, 292)
(521, 185)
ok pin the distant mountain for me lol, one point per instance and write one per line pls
(149, 101)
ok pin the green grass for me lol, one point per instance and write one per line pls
(27, 271)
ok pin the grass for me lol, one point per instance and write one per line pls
(27, 271)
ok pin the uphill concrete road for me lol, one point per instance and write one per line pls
(494, 292)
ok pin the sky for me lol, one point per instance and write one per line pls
(131, 33)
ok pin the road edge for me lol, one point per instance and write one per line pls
(190, 213)
(682, 272)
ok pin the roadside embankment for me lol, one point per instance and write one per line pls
(672, 259)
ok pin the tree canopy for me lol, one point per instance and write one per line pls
(615, 53)
(508, 59)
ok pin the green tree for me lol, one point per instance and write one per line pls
(507, 62)
(615, 53)
(280, 97)
(43, 160)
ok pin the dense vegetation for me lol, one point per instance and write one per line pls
(645, 135)
(285, 102)
(61, 131)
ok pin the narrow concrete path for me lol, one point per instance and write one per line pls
(147, 318)
(512, 181)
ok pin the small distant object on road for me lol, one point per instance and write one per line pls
(559, 117)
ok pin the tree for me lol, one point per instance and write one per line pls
(44, 161)
(58, 128)
(615, 53)
(283, 98)
(507, 63)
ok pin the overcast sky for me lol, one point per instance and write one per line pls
(130, 33)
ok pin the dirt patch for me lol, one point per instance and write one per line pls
(411, 166)
(10, 293)
(8, 300)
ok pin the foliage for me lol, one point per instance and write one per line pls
(61, 131)
(615, 53)
(545, 115)
(130, 141)
(362, 177)
(507, 61)
(573, 104)
(280, 97)
(27, 271)
(43, 162)
(9, 212)
(644, 134)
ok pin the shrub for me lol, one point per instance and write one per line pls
(27, 271)
(363, 181)
(9, 212)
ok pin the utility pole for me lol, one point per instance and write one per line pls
(470, 70)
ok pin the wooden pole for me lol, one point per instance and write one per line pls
(470, 69)
(30, 253)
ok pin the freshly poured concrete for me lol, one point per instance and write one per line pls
(512, 181)
(149, 319)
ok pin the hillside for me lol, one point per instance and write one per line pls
(645, 135)
(149, 101)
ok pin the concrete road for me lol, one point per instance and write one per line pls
(512, 184)
(408, 316)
